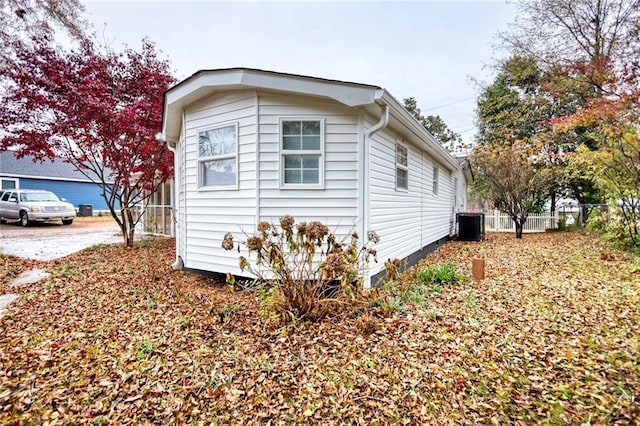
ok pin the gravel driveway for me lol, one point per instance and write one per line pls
(53, 240)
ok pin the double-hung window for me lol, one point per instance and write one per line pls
(302, 152)
(402, 167)
(218, 157)
(436, 177)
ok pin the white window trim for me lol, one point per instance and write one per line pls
(435, 180)
(282, 152)
(218, 157)
(401, 166)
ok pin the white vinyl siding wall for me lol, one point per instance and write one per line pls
(212, 213)
(437, 211)
(336, 203)
(394, 215)
(461, 195)
(180, 199)
(405, 221)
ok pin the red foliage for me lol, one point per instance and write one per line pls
(617, 92)
(98, 110)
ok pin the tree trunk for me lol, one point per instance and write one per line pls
(584, 215)
(519, 226)
(552, 209)
(127, 228)
(128, 238)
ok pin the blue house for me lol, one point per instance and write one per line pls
(57, 176)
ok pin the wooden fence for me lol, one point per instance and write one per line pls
(497, 221)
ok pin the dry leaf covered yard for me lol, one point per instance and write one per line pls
(113, 336)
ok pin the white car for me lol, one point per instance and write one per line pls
(31, 205)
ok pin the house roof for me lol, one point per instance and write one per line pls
(27, 167)
(205, 82)
(464, 162)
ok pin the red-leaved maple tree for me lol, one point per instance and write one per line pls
(95, 108)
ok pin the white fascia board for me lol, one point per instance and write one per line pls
(429, 143)
(185, 93)
(467, 172)
(204, 83)
(346, 93)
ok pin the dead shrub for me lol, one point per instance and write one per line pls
(315, 273)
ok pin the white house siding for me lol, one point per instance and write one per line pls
(180, 195)
(437, 210)
(212, 213)
(461, 198)
(406, 221)
(358, 191)
(336, 204)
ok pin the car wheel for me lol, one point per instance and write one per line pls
(24, 218)
(3, 220)
(67, 221)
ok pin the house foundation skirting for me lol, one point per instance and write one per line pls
(376, 279)
(218, 276)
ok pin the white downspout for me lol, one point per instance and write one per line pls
(178, 264)
(366, 186)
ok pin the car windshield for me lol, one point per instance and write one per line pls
(39, 196)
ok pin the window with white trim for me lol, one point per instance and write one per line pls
(302, 152)
(402, 167)
(218, 157)
(8, 183)
(436, 177)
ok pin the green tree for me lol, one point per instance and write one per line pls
(565, 54)
(520, 105)
(435, 125)
(510, 105)
(512, 162)
(572, 42)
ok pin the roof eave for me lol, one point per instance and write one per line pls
(400, 113)
(205, 82)
(467, 171)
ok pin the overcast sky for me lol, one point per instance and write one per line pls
(428, 50)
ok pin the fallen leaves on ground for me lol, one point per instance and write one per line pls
(114, 336)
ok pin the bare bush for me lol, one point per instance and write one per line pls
(314, 272)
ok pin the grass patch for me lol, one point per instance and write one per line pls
(445, 274)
